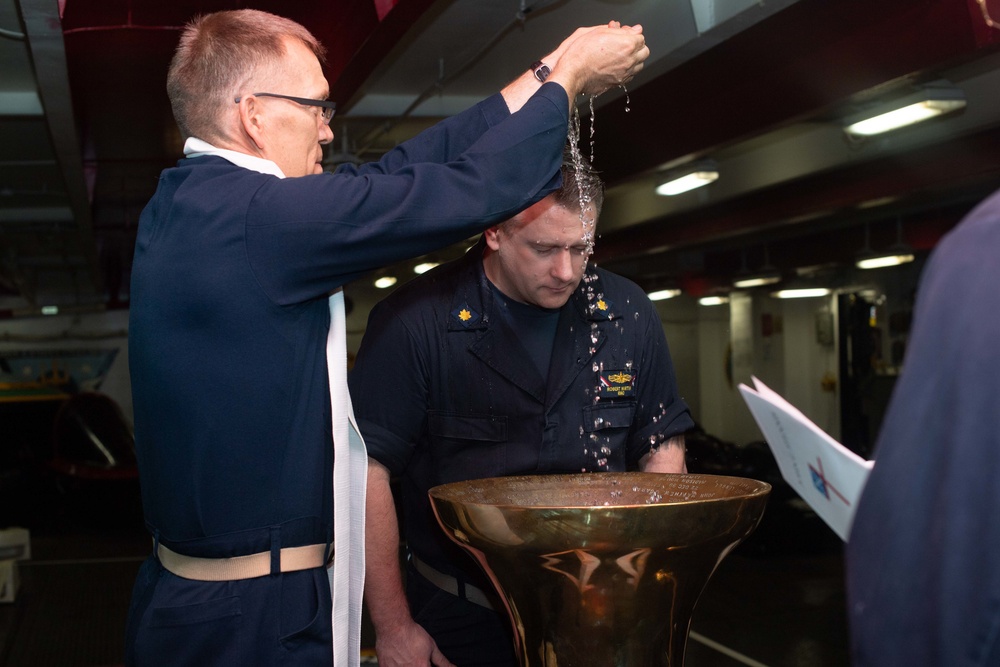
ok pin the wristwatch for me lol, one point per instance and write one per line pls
(541, 70)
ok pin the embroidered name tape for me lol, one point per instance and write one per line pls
(617, 383)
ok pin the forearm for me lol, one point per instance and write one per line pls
(667, 458)
(520, 90)
(399, 641)
(523, 87)
(384, 591)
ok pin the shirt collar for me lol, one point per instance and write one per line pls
(194, 147)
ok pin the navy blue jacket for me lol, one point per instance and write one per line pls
(923, 580)
(229, 315)
(444, 391)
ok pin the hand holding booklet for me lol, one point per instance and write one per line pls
(826, 474)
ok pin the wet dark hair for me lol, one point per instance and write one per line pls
(579, 178)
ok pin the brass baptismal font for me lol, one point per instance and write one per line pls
(600, 569)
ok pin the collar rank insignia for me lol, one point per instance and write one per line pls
(465, 315)
(601, 308)
(617, 384)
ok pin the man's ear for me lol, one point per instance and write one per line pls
(491, 234)
(252, 120)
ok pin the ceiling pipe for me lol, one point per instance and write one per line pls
(48, 54)
(522, 15)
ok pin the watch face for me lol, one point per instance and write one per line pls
(542, 71)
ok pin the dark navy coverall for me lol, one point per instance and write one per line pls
(228, 328)
(923, 582)
(444, 391)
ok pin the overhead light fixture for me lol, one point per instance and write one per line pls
(898, 253)
(930, 102)
(767, 275)
(713, 300)
(424, 267)
(20, 103)
(695, 176)
(662, 294)
(800, 293)
(385, 282)
(878, 201)
(881, 261)
(758, 279)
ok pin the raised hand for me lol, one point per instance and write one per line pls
(592, 60)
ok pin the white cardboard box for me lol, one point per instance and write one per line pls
(15, 545)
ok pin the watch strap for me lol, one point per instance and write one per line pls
(541, 70)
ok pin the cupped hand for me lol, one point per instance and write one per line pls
(595, 59)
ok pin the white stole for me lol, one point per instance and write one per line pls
(350, 482)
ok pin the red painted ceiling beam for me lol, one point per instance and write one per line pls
(356, 37)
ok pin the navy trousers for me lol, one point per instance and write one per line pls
(468, 634)
(281, 619)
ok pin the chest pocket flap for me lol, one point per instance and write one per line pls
(486, 428)
(608, 415)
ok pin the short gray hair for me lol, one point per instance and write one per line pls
(218, 54)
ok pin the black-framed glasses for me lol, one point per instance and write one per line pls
(328, 107)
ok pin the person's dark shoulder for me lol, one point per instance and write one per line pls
(208, 165)
(430, 293)
(978, 234)
(216, 175)
(618, 287)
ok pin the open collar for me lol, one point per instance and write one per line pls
(195, 147)
(581, 330)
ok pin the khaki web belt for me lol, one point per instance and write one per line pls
(449, 584)
(292, 559)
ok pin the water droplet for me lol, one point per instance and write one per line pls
(587, 217)
(593, 118)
